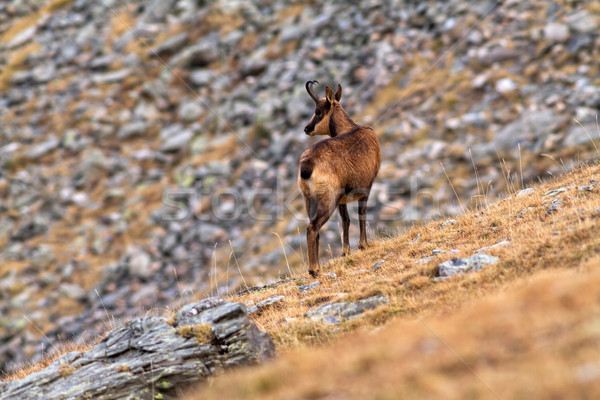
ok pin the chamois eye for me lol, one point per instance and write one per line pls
(318, 113)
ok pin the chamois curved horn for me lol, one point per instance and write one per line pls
(311, 91)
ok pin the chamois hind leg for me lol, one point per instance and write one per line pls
(318, 213)
(343, 210)
(362, 220)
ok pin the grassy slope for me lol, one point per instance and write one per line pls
(535, 333)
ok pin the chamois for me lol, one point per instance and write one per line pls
(336, 170)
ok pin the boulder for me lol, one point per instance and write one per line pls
(151, 358)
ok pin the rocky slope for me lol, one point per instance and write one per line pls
(105, 106)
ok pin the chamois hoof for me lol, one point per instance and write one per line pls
(313, 272)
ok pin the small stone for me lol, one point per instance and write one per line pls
(111, 77)
(251, 309)
(44, 73)
(269, 302)
(190, 112)
(583, 22)
(22, 37)
(359, 271)
(526, 192)
(556, 32)
(43, 148)
(176, 138)
(554, 206)
(437, 251)
(202, 77)
(346, 310)
(140, 263)
(136, 128)
(555, 192)
(331, 320)
(505, 85)
(331, 275)
(416, 238)
(503, 243)
(458, 266)
(585, 188)
(310, 286)
(377, 265)
(449, 222)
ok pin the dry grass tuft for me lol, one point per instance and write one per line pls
(202, 332)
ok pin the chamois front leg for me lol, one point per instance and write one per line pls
(343, 210)
(322, 212)
(362, 220)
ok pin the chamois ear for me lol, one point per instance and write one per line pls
(329, 95)
(338, 93)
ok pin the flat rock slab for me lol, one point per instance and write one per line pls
(458, 266)
(345, 310)
(149, 358)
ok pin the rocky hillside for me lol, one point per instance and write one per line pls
(109, 111)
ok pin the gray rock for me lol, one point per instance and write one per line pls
(585, 188)
(44, 73)
(331, 275)
(503, 243)
(190, 111)
(458, 266)
(148, 358)
(554, 206)
(140, 263)
(331, 320)
(156, 10)
(43, 148)
(111, 77)
(556, 32)
(22, 37)
(505, 85)
(136, 128)
(578, 135)
(525, 192)
(583, 22)
(269, 302)
(346, 310)
(310, 286)
(175, 138)
(448, 223)
(252, 67)
(525, 132)
(198, 55)
(377, 265)
(170, 45)
(202, 77)
(556, 192)
(102, 63)
(251, 309)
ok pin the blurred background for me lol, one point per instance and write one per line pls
(149, 149)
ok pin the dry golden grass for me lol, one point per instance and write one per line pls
(15, 62)
(539, 340)
(545, 321)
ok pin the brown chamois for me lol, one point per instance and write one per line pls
(336, 170)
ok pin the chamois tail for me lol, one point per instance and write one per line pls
(306, 168)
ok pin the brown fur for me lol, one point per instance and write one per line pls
(336, 171)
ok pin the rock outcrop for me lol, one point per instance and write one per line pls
(151, 358)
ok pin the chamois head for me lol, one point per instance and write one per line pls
(319, 123)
